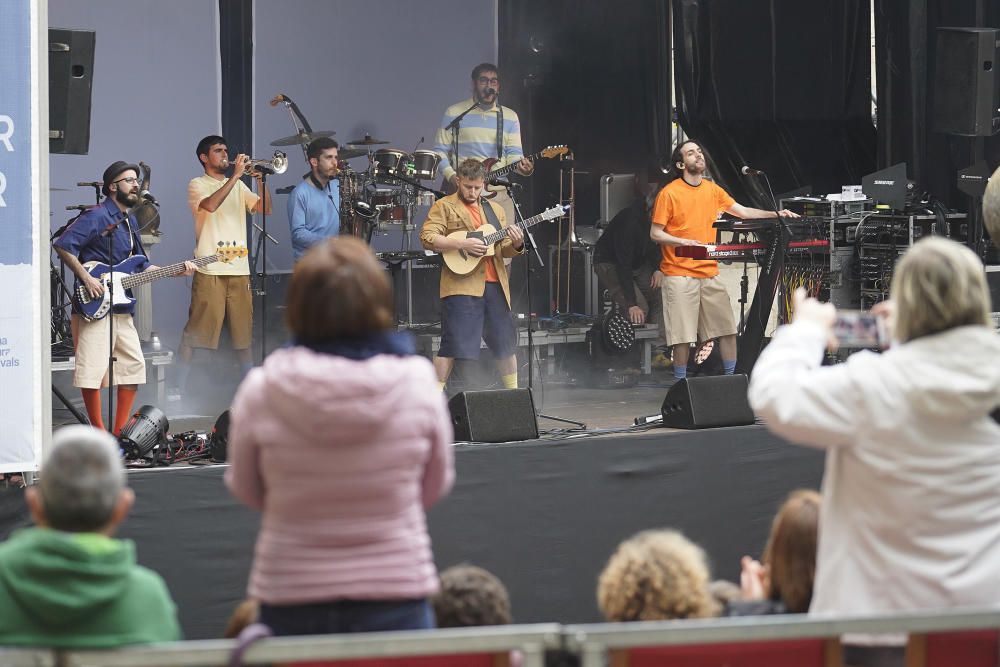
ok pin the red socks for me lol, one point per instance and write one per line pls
(123, 410)
(126, 396)
(92, 400)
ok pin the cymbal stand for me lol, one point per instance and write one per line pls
(408, 188)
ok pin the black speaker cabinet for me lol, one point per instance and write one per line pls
(71, 69)
(707, 402)
(965, 94)
(493, 415)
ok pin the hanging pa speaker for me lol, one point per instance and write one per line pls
(708, 402)
(493, 415)
(71, 78)
(966, 91)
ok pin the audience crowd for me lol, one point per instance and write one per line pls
(908, 517)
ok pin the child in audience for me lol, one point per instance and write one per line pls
(342, 440)
(470, 596)
(783, 584)
(67, 582)
(656, 575)
(911, 495)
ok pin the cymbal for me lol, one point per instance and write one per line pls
(302, 138)
(351, 153)
(367, 141)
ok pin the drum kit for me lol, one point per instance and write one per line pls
(385, 192)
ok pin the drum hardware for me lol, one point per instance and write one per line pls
(351, 153)
(304, 138)
(367, 141)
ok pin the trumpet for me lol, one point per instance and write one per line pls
(276, 165)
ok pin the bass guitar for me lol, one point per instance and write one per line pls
(493, 175)
(463, 263)
(123, 278)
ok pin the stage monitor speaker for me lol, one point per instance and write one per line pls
(965, 94)
(493, 415)
(71, 69)
(708, 402)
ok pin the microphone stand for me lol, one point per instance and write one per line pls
(262, 253)
(760, 310)
(530, 240)
(109, 232)
(453, 128)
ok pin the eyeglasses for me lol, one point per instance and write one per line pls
(494, 81)
(131, 180)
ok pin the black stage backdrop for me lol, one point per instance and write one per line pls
(782, 87)
(543, 515)
(906, 53)
(593, 75)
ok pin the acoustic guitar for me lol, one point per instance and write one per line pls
(463, 263)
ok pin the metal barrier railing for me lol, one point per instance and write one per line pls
(531, 640)
(591, 642)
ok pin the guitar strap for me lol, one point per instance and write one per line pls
(491, 215)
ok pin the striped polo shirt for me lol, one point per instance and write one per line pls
(477, 136)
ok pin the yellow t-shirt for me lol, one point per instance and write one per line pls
(688, 211)
(227, 224)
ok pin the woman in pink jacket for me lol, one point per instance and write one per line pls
(342, 440)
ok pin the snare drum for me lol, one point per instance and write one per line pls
(388, 163)
(425, 164)
(388, 205)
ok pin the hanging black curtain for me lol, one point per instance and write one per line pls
(782, 87)
(593, 75)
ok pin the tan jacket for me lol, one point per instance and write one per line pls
(448, 215)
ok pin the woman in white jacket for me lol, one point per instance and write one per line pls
(911, 493)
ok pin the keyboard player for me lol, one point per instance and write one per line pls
(696, 305)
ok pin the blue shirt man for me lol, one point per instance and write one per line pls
(314, 204)
(85, 239)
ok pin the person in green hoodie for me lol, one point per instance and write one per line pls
(66, 582)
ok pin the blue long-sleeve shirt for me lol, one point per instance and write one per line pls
(83, 239)
(313, 214)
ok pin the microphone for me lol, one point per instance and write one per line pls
(148, 196)
(747, 171)
(90, 184)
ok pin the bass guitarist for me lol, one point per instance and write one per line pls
(481, 128)
(474, 306)
(86, 240)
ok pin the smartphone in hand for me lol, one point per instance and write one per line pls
(860, 329)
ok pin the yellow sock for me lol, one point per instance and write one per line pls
(441, 384)
(509, 381)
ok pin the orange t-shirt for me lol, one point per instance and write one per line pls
(688, 211)
(477, 221)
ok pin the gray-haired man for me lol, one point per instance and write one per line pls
(66, 582)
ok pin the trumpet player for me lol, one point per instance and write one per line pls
(220, 292)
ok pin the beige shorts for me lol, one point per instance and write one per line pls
(216, 300)
(696, 309)
(91, 344)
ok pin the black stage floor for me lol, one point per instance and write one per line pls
(544, 515)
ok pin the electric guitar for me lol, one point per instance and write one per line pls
(463, 263)
(123, 277)
(493, 174)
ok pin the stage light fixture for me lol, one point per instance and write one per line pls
(143, 432)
